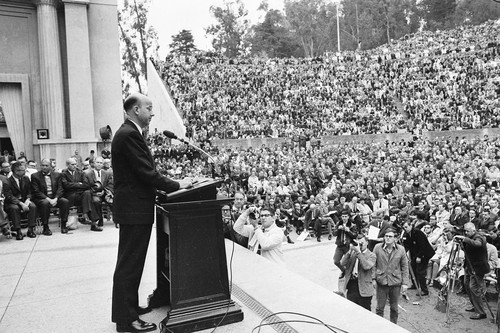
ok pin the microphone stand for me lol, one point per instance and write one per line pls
(209, 157)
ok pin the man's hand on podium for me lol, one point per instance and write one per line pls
(186, 183)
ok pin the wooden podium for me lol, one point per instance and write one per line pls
(191, 261)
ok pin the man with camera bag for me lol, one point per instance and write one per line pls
(476, 266)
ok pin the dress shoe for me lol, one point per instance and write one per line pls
(330, 237)
(471, 309)
(19, 235)
(143, 310)
(318, 239)
(64, 228)
(136, 326)
(46, 231)
(424, 293)
(86, 221)
(289, 240)
(94, 227)
(478, 316)
(31, 233)
(100, 223)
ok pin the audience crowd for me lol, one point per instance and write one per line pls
(427, 81)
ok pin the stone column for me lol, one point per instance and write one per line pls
(50, 68)
(81, 108)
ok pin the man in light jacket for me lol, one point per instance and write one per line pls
(390, 276)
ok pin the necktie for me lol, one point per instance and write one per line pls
(99, 173)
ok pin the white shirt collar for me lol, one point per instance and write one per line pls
(136, 125)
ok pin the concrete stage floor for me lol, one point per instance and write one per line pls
(62, 283)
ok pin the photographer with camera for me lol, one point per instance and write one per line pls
(265, 237)
(359, 263)
(347, 231)
(476, 266)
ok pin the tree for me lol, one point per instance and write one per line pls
(311, 22)
(136, 41)
(367, 24)
(438, 14)
(272, 37)
(182, 43)
(476, 11)
(232, 25)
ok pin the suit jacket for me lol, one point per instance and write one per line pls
(39, 186)
(366, 263)
(89, 178)
(135, 177)
(73, 183)
(15, 194)
(418, 244)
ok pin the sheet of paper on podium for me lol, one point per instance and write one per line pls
(373, 232)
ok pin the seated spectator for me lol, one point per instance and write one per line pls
(47, 192)
(100, 183)
(78, 193)
(17, 191)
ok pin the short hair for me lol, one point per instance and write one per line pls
(70, 160)
(130, 102)
(269, 209)
(16, 166)
(390, 230)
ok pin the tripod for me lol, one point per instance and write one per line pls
(453, 268)
(472, 272)
(412, 273)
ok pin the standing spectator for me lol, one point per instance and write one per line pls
(359, 263)
(476, 266)
(78, 158)
(421, 251)
(390, 275)
(347, 231)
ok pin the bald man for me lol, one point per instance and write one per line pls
(135, 182)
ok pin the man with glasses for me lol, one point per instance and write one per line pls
(390, 275)
(5, 169)
(264, 238)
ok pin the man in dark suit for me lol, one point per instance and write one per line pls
(47, 192)
(78, 193)
(135, 182)
(17, 189)
(99, 181)
(421, 251)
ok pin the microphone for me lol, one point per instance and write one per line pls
(172, 135)
(169, 134)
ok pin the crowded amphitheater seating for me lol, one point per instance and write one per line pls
(426, 81)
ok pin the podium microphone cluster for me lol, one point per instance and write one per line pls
(172, 135)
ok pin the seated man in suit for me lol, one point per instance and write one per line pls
(47, 192)
(100, 182)
(78, 193)
(17, 190)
